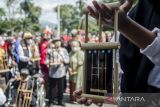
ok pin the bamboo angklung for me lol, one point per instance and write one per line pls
(99, 47)
(24, 95)
(4, 61)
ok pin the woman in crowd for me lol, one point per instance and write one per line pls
(75, 68)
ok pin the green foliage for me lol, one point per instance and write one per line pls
(29, 23)
(73, 17)
(2, 12)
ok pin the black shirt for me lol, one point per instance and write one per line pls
(136, 67)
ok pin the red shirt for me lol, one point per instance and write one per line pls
(66, 38)
(43, 51)
(5, 46)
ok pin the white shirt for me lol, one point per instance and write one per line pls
(152, 51)
(2, 97)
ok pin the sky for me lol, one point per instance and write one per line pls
(47, 8)
(48, 15)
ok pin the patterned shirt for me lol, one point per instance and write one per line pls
(59, 57)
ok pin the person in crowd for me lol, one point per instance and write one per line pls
(35, 55)
(43, 46)
(27, 83)
(10, 57)
(108, 36)
(75, 68)
(74, 36)
(24, 52)
(16, 44)
(57, 58)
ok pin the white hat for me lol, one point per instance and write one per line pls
(74, 32)
(25, 71)
(56, 38)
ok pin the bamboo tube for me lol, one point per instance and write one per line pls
(100, 28)
(115, 82)
(94, 97)
(106, 45)
(86, 29)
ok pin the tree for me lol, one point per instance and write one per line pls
(67, 15)
(24, 8)
(32, 14)
(2, 13)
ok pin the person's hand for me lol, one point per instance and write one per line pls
(61, 61)
(31, 60)
(71, 71)
(14, 63)
(107, 12)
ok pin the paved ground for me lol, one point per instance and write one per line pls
(67, 104)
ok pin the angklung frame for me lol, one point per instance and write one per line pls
(4, 66)
(101, 67)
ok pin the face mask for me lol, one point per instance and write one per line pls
(58, 44)
(29, 42)
(19, 39)
(52, 46)
(75, 49)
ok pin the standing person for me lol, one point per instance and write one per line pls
(58, 57)
(43, 45)
(74, 36)
(75, 68)
(35, 54)
(24, 52)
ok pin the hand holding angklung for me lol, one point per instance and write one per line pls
(107, 12)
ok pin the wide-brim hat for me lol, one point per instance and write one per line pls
(27, 35)
(57, 38)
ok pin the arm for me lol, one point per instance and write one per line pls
(133, 31)
(48, 57)
(80, 58)
(65, 56)
(137, 34)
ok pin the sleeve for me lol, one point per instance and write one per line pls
(80, 58)
(65, 56)
(152, 51)
(21, 54)
(37, 51)
(48, 56)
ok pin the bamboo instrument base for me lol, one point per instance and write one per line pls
(4, 70)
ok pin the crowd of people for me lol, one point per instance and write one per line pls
(138, 54)
(51, 56)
